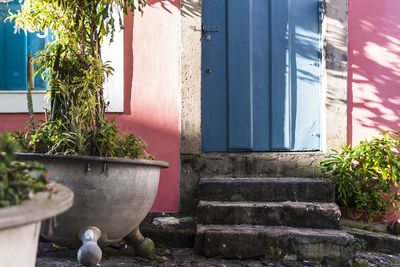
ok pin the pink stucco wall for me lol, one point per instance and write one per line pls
(373, 68)
(152, 78)
(152, 95)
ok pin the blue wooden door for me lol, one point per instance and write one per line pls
(261, 85)
(14, 50)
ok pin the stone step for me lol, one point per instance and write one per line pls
(297, 214)
(172, 230)
(327, 247)
(267, 189)
(375, 241)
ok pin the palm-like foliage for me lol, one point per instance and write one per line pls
(75, 72)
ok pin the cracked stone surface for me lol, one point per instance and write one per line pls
(301, 214)
(49, 256)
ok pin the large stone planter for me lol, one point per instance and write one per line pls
(112, 197)
(20, 225)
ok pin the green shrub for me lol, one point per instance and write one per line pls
(55, 137)
(18, 180)
(366, 176)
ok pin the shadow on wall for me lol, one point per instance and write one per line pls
(192, 8)
(163, 144)
(374, 70)
(164, 4)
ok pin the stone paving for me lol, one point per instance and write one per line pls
(49, 256)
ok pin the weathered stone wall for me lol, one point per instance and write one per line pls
(191, 77)
(334, 74)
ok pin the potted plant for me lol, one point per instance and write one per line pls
(114, 180)
(366, 177)
(26, 199)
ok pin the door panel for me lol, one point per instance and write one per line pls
(280, 89)
(261, 75)
(306, 72)
(214, 105)
(260, 79)
(240, 119)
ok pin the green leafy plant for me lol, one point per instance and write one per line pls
(18, 180)
(366, 176)
(75, 72)
(53, 137)
(361, 263)
(360, 244)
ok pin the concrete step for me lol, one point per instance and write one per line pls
(375, 241)
(328, 247)
(297, 214)
(170, 229)
(267, 189)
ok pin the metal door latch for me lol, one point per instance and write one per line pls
(315, 64)
(206, 29)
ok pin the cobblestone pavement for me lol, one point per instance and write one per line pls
(49, 256)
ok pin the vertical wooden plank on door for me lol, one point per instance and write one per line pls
(295, 78)
(260, 74)
(280, 91)
(305, 73)
(240, 87)
(214, 76)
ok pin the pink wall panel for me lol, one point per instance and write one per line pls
(152, 96)
(374, 68)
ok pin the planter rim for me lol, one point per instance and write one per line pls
(41, 206)
(32, 156)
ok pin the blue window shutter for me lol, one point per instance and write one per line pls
(3, 39)
(16, 59)
(14, 50)
(37, 42)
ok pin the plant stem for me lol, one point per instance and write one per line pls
(31, 86)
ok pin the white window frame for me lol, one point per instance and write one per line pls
(16, 101)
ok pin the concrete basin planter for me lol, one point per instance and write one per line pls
(20, 225)
(112, 197)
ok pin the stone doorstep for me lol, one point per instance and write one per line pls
(380, 227)
(170, 229)
(376, 235)
(297, 214)
(253, 164)
(183, 234)
(267, 189)
(331, 247)
(376, 241)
